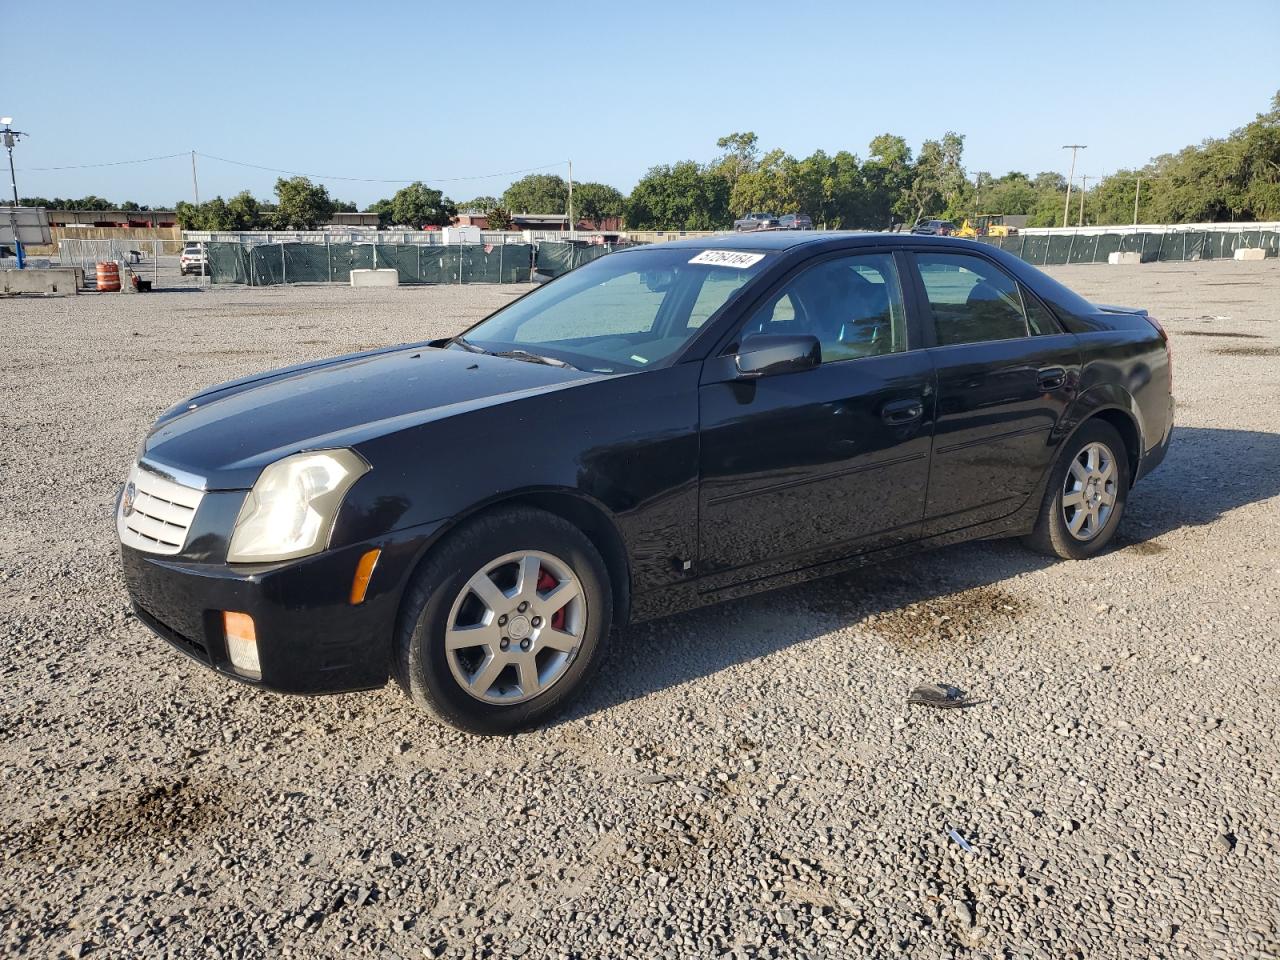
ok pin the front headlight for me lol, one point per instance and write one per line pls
(290, 510)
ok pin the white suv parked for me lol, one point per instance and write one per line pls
(193, 260)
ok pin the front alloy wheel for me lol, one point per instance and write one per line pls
(515, 627)
(504, 622)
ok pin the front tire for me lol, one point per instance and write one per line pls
(1085, 499)
(505, 622)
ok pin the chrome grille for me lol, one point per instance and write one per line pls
(161, 512)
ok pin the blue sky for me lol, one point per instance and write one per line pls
(437, 91)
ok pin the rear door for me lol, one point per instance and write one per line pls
(809, 466)
(1006, 374)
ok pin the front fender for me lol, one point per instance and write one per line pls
(627, 447)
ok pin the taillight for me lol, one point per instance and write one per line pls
(1168, 346)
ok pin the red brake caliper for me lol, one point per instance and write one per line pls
(547, 582)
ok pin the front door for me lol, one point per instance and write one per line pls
(804, 467)
(1006, 373)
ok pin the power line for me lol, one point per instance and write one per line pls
(110, 163)
(321, 176)
(297, 173)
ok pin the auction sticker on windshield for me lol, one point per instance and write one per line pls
(728, 258)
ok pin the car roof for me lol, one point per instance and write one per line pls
(767, 240)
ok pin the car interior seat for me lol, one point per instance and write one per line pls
(990, 315)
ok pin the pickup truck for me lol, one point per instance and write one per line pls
(755, 221)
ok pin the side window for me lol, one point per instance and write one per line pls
(853, 305)
(1040, 321)
(972, 300)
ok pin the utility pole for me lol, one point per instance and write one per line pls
(572, 226)
(1084, 188)
(1073, 147)
(204, 251)
(1137, 190)
(10, 138)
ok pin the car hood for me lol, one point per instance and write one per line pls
(228, 433)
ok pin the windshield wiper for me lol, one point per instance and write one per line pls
(535, 358)
(467, 345)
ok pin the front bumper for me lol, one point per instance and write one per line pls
(311, 639)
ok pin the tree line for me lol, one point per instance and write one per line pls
(1236, 177)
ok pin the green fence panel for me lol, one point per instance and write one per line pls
(1129, 242)
(305, 263)
(1105, 245)
(228, 263)
(266, 266)
(553, 259)
(1035, 249)
(496, 263)
(276, 263)
(1084, 248)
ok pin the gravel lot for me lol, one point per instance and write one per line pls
(744, 781)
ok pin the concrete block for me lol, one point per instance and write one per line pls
(50, 281)
(375, 278)
(1252, 253)
(1124, 256)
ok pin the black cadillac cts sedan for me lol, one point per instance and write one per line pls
(668, 426)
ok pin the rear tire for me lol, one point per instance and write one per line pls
(1086, 495)
(486, 641)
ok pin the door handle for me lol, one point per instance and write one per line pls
(1052, 378)
(902, 411)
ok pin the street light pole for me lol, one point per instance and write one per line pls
(1084, 188)
(1137, 190)
(1066, 207)
(10, 138)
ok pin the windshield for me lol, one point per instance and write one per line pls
(622, 312)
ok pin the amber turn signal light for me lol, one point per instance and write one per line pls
(242, 643)
(364, 570)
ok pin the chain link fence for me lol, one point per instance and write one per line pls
(141, 255)
(260, 264)
(423, 257)
(1152, 246)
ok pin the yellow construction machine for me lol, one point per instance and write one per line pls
(986, 225)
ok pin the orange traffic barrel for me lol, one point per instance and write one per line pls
(109, 276)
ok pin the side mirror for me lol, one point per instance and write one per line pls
(766, 355)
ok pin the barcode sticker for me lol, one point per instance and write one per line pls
(728, 258)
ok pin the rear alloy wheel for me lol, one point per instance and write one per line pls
(1086, 495)
(1089, 492)
(505, 621)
